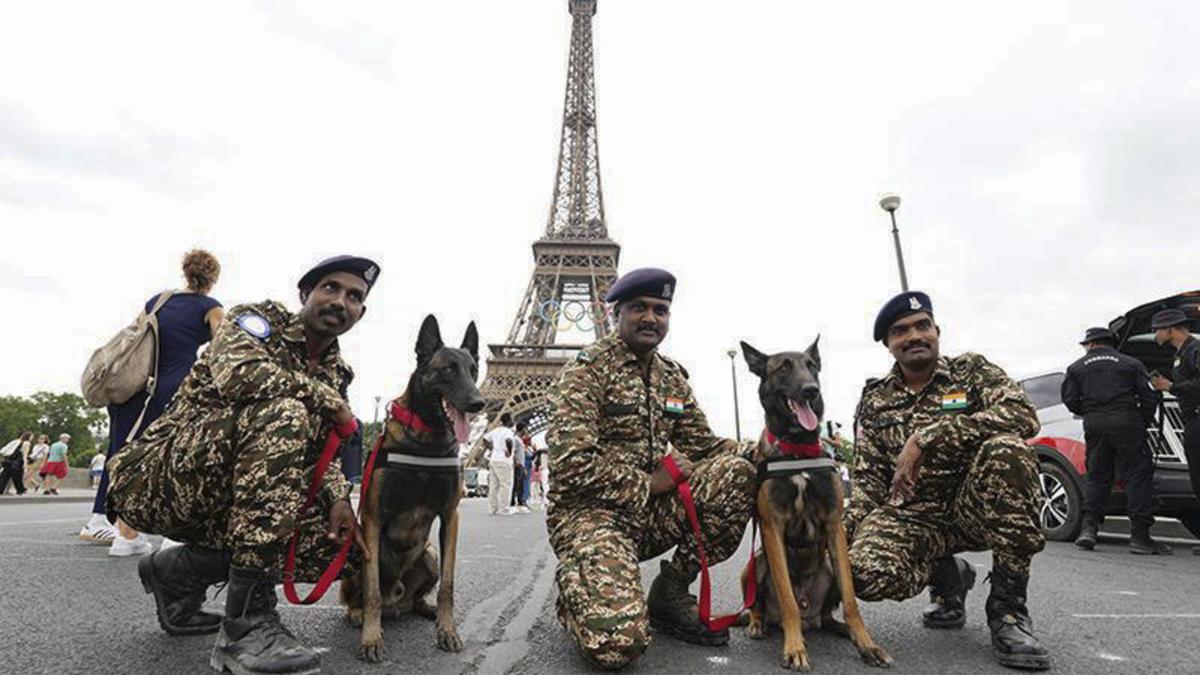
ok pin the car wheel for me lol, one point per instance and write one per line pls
(1062, 507)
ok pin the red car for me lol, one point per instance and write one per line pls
(1060, 444)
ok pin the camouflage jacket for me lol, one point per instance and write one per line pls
(969, 400)
(240, 368)
(609, 428)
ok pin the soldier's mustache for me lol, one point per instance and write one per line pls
(334, 312)
(915, 344)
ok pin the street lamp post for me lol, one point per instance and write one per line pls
(737, 420)
(890, 202)
(377, 400)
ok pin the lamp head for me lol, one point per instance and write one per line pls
(889, 202)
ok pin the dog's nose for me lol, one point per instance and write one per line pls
(810, 392)
(475, 405)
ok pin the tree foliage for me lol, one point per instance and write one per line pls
(53, 414)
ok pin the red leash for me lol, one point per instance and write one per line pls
(685, 495)
(334, 569)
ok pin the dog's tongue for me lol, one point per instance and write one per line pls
(461, 423)
(804, 414)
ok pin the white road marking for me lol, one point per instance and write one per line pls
(1124, 592)
(1135, 616)
(1109, 657)
(719, 660)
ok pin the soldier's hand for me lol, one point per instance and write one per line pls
(342, 524)
(908, 466)
(661, 481)
(1160, 383)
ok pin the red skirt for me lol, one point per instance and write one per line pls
(57, 469)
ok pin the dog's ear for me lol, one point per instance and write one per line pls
(470, 341)
(429, 340)
(756, 360)
(814, 353)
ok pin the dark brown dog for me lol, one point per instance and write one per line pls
(801, 517)
(416, 479)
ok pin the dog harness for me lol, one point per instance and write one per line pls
(794, 458)
(400, 460)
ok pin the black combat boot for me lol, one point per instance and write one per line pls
(1087, 534)
(252, 640)
(949, 582)
(1140, 542)
(673, 611)
(178, 577)
(1012, 630)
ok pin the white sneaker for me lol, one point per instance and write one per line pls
(507, 511)
(524, 509)
(169, 543)
(127, 548)
(98, 530)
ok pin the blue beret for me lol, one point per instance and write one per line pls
(645, 282)
(362, 268)
(899, 307)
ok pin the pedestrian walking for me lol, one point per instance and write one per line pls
(527, 444)
(186, 320)
(520, 452)
(55, 468)
(1112, 392)
(37, 457)
(96, 469)
(615, 410)
(226, 468)
(13, 458)
(943, 467)
(501, 443)
(1172, 327)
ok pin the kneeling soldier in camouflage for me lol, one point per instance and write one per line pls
(614, 410)
(226, 468)
(942, 467)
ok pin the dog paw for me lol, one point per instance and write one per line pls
(756, 629)
(874, 655)
(797, 661)
(448, 639)
(372, 652)
(355, 617)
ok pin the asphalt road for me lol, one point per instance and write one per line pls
(68, 608)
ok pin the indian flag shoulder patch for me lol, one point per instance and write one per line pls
(954, 401)
(673, 406)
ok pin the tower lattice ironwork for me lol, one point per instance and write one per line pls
(574, 262)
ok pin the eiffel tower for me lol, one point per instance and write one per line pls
(574, 262)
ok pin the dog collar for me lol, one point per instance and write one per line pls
(409, 418)
(802, 450)
(450, 464)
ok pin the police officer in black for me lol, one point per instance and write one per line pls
(1171, 328)
(1112, 392)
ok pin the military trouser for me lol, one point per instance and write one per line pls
(600, 599)
(235, 485)
(995, 508)
(1127, 450)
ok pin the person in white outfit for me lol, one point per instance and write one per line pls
(500, 442)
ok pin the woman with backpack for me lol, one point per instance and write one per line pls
(187, 320)
(12, 463)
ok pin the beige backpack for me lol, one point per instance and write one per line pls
(127, 364)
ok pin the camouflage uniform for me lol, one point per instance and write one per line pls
(609, 430)
(227, 465)
(977, 488)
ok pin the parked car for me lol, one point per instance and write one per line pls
(1060, 446)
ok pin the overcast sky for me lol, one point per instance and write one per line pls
(1048, 155)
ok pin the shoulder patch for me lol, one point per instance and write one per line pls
(255, 325)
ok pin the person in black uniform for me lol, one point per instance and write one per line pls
(1112, 392)
(1171, 328)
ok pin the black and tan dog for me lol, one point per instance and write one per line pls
(416, 479)
(800, 510)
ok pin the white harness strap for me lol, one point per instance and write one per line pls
(427, 462)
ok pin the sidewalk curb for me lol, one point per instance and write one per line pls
(43, 499)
